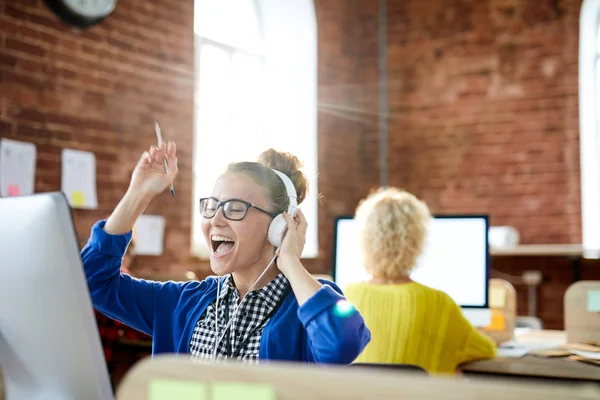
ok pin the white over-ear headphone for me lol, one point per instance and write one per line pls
(278, 225)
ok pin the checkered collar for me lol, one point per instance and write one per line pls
(270, 293)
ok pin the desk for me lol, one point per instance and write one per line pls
(571, 251)
(539, 250)
(533, 366)
(289, 381)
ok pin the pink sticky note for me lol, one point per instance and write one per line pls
(14, 190)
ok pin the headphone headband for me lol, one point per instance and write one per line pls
(290, 189)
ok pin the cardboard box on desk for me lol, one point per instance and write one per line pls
(502, 301)
(582, 312)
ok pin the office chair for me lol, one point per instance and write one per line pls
(398, 367)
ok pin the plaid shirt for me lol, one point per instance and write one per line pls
(242, 340)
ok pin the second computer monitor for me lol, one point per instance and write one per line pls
(455, 259)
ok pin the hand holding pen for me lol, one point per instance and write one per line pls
(156, 170)
(166, 164)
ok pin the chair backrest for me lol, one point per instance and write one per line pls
(394, 367)
(582, 312)
(503, 303)
(172, 376)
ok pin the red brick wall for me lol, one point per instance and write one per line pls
(483, 102)
(101, 90)
(484, 110)
(347, 124)
(483, 106)
(484, 119)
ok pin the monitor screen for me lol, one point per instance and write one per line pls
(454, 260)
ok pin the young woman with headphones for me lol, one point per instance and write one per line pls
(262, 305)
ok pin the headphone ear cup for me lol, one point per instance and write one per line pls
(276, 230)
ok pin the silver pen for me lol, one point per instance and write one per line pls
(160, 139)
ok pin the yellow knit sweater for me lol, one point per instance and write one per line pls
(414, 324)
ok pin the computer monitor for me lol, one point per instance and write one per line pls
(455, 260)
(49, 342)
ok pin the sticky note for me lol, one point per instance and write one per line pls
(498, 321)
(242, 390)
(77, 198)
(496, 297)
(14, 190)
(163, 389)
(593, 301)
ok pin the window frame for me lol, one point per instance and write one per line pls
(198, 247)
(589, 133)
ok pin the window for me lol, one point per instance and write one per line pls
(255, 89)
(589, 125)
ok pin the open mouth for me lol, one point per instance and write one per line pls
(221, 245)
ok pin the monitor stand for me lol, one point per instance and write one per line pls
(478, 317)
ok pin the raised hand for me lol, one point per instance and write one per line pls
(149, 177)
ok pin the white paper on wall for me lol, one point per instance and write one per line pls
(17, 168)
(149, 235)
(78, 181)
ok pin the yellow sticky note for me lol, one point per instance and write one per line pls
(162, 389)
(498, 323)
(593, 304)
(78, 198)
(242, 390)
(496, 297)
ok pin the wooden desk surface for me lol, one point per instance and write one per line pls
(534, 366)
(289, 381)
(539, 250)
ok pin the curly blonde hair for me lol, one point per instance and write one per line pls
(393, 226)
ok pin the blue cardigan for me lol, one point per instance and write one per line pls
(315, 332)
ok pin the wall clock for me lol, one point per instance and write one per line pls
(82, 13)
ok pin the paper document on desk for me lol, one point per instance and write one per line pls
(512, 352)
(590, 355)
(581, 347)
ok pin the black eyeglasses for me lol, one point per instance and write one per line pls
(233, 209)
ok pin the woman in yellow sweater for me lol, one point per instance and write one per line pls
(410, 323)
